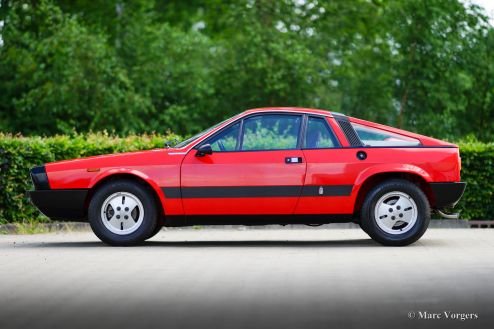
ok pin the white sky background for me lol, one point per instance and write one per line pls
(488, 6)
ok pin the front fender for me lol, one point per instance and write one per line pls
(136, 173)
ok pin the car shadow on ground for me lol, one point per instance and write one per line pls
(265, 243)
(213, 243)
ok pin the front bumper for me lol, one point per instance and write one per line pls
(60, 204)
(447, 194)
(66, 204)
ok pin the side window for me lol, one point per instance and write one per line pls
(226, 140)
(377, 137)
(271, 132)
(319, 135)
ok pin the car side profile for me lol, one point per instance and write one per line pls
(262, 166)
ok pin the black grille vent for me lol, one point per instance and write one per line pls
(350, 133)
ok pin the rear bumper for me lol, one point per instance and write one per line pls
(447, 194)
(60, 204)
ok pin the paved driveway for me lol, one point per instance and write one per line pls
(284, 278)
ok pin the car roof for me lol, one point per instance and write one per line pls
(293, 110)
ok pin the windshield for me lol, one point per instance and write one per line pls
(195, 137)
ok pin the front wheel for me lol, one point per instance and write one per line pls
(395, 213)
(123, 213)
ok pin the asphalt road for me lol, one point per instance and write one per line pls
(284, 278)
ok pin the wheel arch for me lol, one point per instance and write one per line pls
(366, 184)
(137, 177)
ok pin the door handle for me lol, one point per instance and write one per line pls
(289, 160)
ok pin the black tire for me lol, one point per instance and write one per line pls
(157, 229)
(368, 221)
(149, 218)
(362, 227)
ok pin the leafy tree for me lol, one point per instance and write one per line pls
(175, 70)
(267, 64)
(56, 76)
(477, 119)
(437, 41)
(182, 65)
(412, 64)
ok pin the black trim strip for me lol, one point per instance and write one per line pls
(39, 178)
(401, 147)
(303, 129)
(348, 147)
(327, 190)
(256, 191)
(241, 191)
(253, 220)
(172, 192)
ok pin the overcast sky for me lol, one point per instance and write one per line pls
(489, 7)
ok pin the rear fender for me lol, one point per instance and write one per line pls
(390, 168)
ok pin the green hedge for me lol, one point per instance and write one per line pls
(19, 154)
(478, 171)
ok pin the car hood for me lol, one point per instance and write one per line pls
(128, 159)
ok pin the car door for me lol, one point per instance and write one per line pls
(328, 182)
(256, 167)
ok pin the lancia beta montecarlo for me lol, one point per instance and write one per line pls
(263, 166)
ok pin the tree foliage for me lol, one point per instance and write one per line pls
(57, 76)
(150, 65)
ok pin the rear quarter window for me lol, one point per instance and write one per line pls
(377, 137)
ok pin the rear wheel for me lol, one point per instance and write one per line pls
(395, 213)
(123, 213)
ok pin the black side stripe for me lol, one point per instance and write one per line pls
(257, 191)
(172, 192)
(327, 190)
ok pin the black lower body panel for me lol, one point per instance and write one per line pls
(447, 194)
(60, 204)
(253, 220)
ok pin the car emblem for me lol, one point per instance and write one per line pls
(321, 190)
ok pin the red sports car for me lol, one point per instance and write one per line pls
(263, 166)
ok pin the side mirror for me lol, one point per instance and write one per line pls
(203, 150)
(171, 142)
